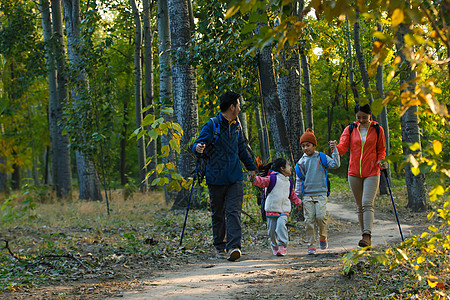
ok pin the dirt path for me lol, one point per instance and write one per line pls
(262, 275)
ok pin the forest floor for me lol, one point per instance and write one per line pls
(125, 260)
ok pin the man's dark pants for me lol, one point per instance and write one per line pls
(226, 208)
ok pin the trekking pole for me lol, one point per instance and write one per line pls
(393, 204)
(189, 202)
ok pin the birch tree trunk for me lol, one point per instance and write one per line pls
(360, 57)
(138, 94)
(263, 136)
(290, 101)
(308, 91)
(51, 77)
(383, 119)
(148, 75)
(271, 103)
(351, 69)
(184, 89)
(415, 185)
(61, 157)
(165, 82)
(88, 181)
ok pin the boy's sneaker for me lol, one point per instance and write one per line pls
(281, 251)
(311, 251)
(323, 244)
(274, 249)
(234, 254)
(221, 253)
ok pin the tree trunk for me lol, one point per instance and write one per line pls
(271, 103)
(123, 145)
(148, 75)
(138, 94)
(88, 181)
(361, 61)
(243, 118)
(62, 174)
(165, 83)
(290, 101)
(351, 69)
(51, 75)
(263, 136)
(415, 185)
(308, 91)
(383, 119)
(184, 89)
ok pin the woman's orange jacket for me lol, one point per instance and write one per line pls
(363, 157)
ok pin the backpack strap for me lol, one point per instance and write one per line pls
(324, 161)
(272, 182)
(291, 187)
(216, 131)
(300, 175)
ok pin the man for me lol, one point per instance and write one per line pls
(222, 140)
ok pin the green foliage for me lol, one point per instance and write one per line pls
(166, 172)
(12, 209)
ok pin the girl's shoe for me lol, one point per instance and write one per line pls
(311, 251)
(274, 250)
(366, 240)
(281, 251)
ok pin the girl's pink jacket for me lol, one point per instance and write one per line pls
(363, 157)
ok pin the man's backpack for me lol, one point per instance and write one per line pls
(272, 182)
(324, 161)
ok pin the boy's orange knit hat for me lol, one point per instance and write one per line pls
(308, 136)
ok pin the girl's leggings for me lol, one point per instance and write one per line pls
(364, 190)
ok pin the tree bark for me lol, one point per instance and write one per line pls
(308, 91)
(52, 89)
(62, 174)
(88, 181)
(138, 95)
(148, 75)
(165, 83)
(184, 89)
(360, 57)
(263, 136)
(351, 69)
(271, 103)
(383, 119)
(289, 90)
(415, 185)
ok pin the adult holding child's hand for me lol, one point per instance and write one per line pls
(365, 138)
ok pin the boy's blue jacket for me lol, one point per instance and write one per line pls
(224, 157)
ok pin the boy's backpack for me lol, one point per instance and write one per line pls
(272, 182)
(324, 161)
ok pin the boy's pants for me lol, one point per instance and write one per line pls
(364, 190)
(315, 210)
(277, 230)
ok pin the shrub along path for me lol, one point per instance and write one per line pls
(259, 274)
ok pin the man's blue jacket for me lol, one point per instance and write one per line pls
(224, 157)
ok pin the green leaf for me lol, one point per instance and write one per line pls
(177, 127)
(167, 110)
(159, 168)
(148, 120)
(175, 145)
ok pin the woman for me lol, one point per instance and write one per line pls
(367, 148)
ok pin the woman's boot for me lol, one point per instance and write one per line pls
(365, 242)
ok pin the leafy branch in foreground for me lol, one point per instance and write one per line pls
(423, 259)
(166, 172)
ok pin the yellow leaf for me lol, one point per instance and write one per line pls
(414, 147)
(432, 284)
(415, 171)
(232, 11)
(397, 17)
(420, 259)
(397, 60)
(437, 147)
(170, 165)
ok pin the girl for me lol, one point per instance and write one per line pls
(279, 194)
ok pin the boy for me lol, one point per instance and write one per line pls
(311, 187)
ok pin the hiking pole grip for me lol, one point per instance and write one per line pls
(393, 203)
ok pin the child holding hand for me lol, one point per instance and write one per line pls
(279, 194)
(311, 185)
